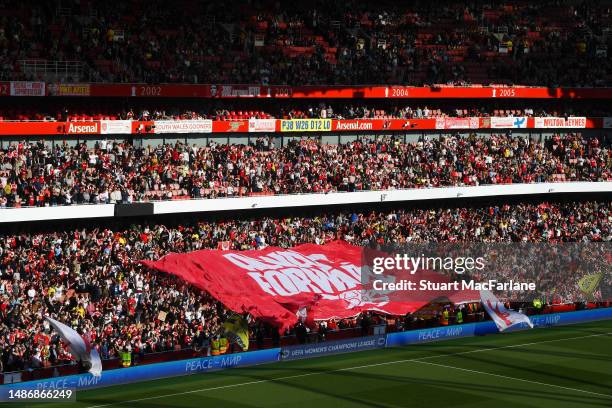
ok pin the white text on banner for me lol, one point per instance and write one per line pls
(183, 126)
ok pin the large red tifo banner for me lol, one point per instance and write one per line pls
(274, 283)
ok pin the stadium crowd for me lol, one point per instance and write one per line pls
(89, 277)
(35, 174)
(321, 42)
(183, 110)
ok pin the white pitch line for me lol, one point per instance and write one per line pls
(515, 378)
(416, 360)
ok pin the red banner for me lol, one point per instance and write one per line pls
(230, 126)
(31, 128)
(143, 127)
(273, 125)
(345, 125)
(274, 283)
(324, 92)
(82, 128)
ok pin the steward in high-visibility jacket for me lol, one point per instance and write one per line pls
(459, 317)
(223, 345)
(537, 303)
(126, 358)
(214, 347)
(444, 320)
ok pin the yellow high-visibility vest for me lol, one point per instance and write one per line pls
(126, 359)
(223, 345)
(445, 317)
(214, 348)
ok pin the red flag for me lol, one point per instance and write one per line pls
(274, 283)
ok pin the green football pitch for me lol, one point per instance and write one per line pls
(565, 366)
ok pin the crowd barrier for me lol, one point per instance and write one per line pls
(208, 364)
(296, 200)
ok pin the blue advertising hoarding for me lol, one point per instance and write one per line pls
(152, 371)
(333, 347)
(488, 327)
(208, 364)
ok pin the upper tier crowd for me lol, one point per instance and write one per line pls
(183, 110)
(37, 174)
(89, 277)
(318, 42)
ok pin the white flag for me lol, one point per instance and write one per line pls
(302, 313)
(502, 317)
(80, 347)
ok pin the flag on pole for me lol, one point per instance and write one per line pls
(237, 330)
(589, 284)
(80, 347)
(502, 317)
